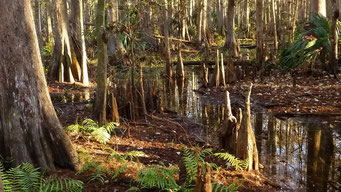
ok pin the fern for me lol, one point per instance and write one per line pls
(62, 185)
(157, 176)
(5, 179)
(219, 187)
(26, 178)
(87, 167)
(119, 171)
(89, 125)
(98, 175)
(101, 135)
(234, 161)
(135, 154)
(111, 126)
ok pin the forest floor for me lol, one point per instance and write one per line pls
(160, 136)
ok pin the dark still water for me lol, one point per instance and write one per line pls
(301, 154)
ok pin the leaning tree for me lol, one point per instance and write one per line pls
(29, 128)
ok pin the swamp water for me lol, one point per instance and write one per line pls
(300, 154)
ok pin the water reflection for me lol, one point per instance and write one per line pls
(302, 156)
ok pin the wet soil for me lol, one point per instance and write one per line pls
(160, 136)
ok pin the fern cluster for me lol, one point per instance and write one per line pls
(157, 176)
(234, 161)
(99, 173)
(29, 179)
(89, 126)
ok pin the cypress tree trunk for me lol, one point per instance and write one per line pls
(29, 128)
(79, 39)
(246, 141)
(101, 92)
(63, 66)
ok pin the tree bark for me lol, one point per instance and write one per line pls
(274, 24)
(78, 38)
(246, 142)
(333, 39)
(101, 92)
(62, 57)
(259, 33)
(231, 43)
(318, 6)
(169, 69)
(29, 128)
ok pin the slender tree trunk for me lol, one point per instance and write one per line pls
(49, 29)
(199, 22)
(37, 15)
(318, 6)
(231, 43)
(169, 69)
(220, 16)
(259, 33)
(78, 38)
(334, 39)
(273, 15)
(101, 92)
(29, 130)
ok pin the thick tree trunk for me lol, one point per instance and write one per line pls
(79, 39)
(246, 142)
(29, 128)
(62, 57)
(101, 92)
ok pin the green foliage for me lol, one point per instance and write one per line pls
(29, 179)
(192, 159)
(135, 154)
(98, 175)
(235, 162)
(311, 41)
(48, 49)
(157, 176)
(219, 187)
(62, 184)
(119, 171)
(101, 134)
(87, 166)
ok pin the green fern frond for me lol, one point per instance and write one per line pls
(133, 189)
(119, 171)
(24, 178)
(191, 164)
(87, 167)
(5, 179)
(234, 161)
(110, 127)
(135, 154)
(98, 175)
(101, 135)
(62, 185)
(157, 177)
(219, 187)
(89, 125)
